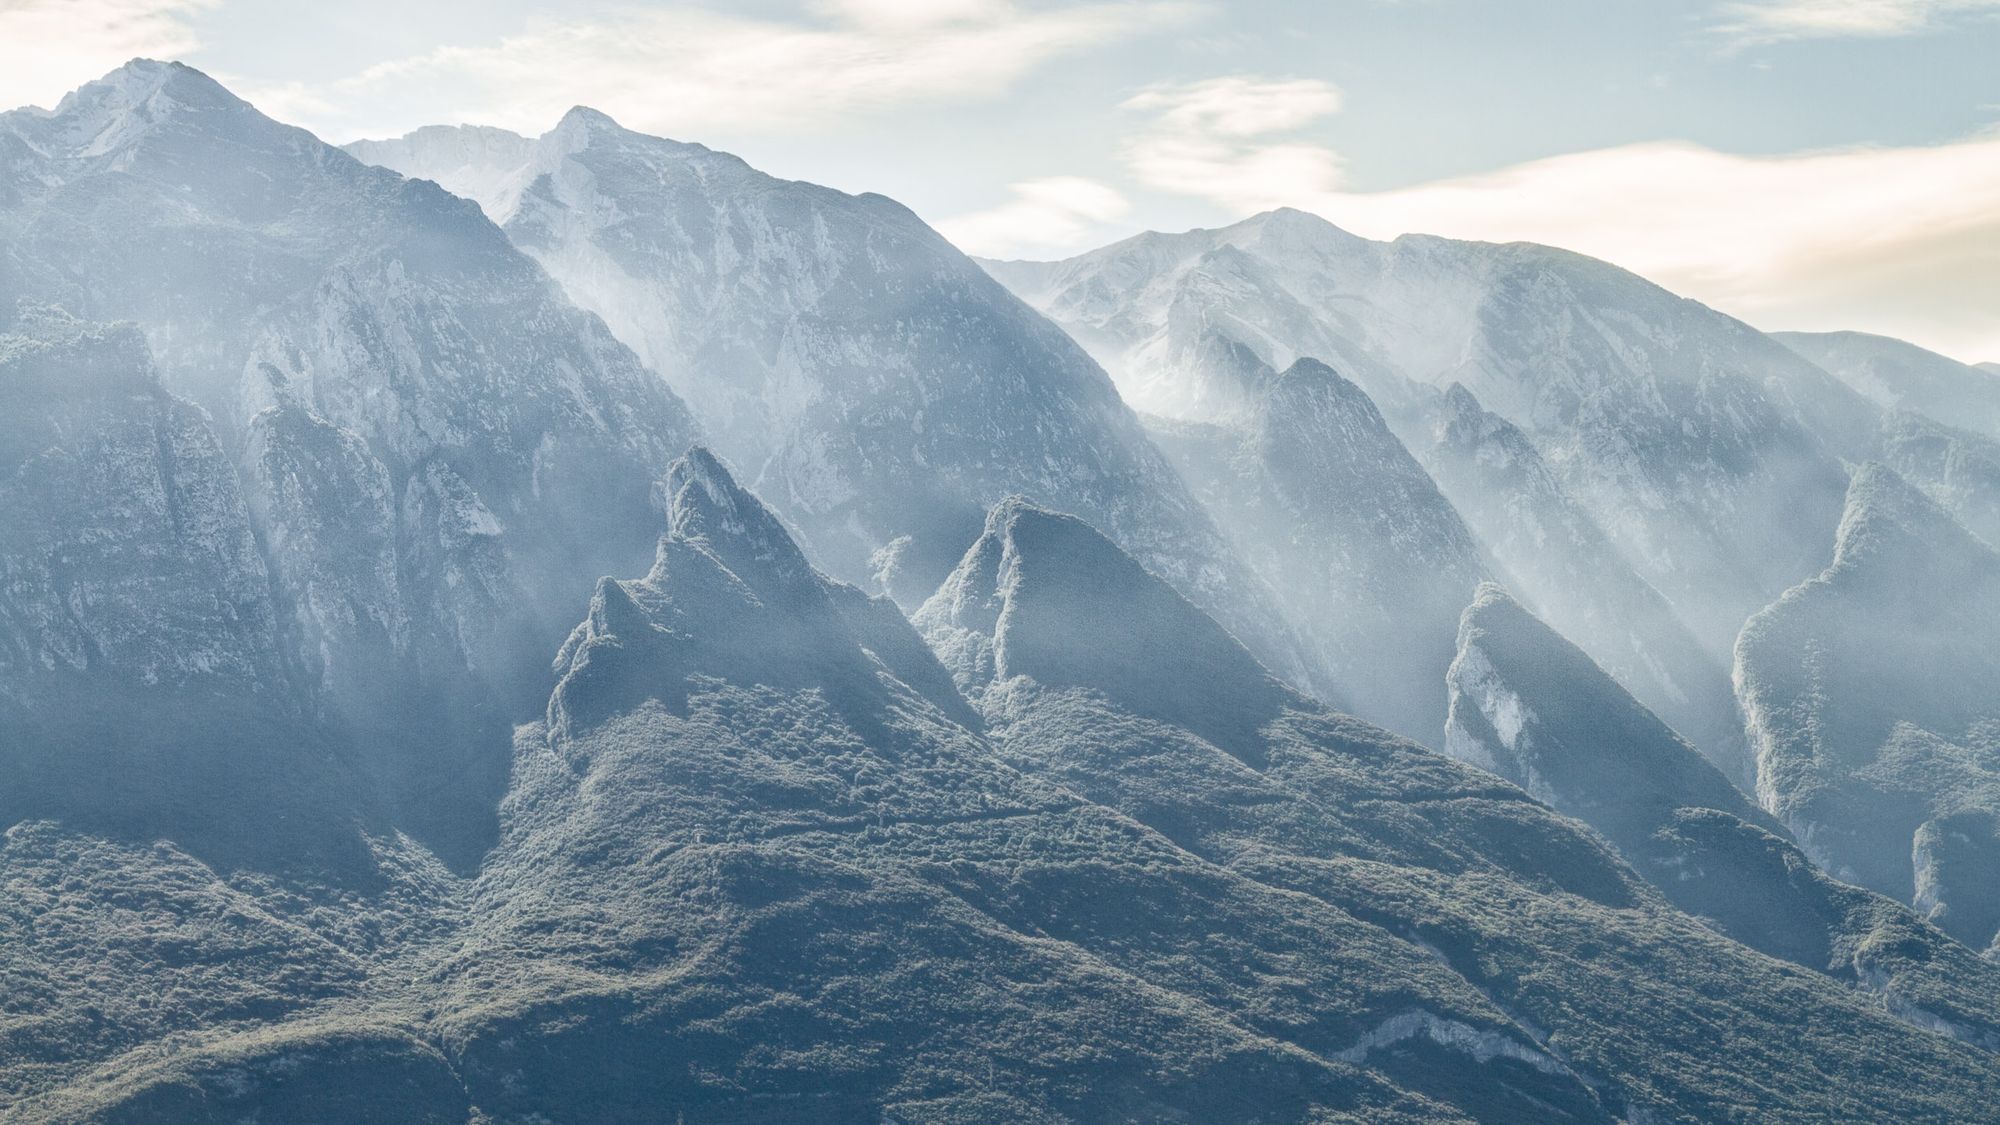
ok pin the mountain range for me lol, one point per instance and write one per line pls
(498, 629)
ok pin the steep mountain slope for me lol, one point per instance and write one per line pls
(761, 862)
(1897, 375)
(1709, 453)
(873, 382)
(1530, 706)
(184, 851)
(1318, 495)
(439, 454)
(1957, 468)
(1573, 575)
(1869, 695)
(1040, 624)
(138, 640)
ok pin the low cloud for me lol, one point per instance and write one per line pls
(49, 47)
(690, 71)
(1214, 139)
(1044, 215)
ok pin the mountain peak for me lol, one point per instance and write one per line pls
(1045, 595)
(109, 113)
(582, 123)
(706, 507)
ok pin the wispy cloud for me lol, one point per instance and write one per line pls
(1750, 22)
(49, 47)
(1052, 214)
(1904, 241)
(687, 70)
(1221, 139)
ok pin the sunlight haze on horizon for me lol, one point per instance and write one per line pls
(1802, 164)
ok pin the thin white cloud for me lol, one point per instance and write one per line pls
(49, 47)
(1215, 139)
(691, 71)
(1047, 214)
(1903, 241)
(1768, 21)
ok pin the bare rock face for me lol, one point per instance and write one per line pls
(438, 453)
(129, 551)
(1405, 848)
(1957, 468)
(1323, 500)
(870, 380)
(1531, 707)
(1869, 696)
(143, 684)
(1708, 453)
(1571, 573)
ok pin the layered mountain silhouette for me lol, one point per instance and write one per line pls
(1708, 453)
(1317, 494)
(1868, 691)
(874, 382)
(1531, 707)
(407, 714)
(1897, 375)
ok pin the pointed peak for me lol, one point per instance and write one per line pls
(706, 507)
(1045, 595)
(583, 122)
(142, 80)
(1461, 400)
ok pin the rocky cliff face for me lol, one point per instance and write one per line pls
(1531, 707)
(1406, 848)
(1867, 690)
(437, 452)
(1709, 453)
(1317, 493)
(1574, 576)
(868, 378)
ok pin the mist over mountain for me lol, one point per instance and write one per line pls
(869, 378)
(1709, 454)
(1901, 376)
(436, 450)
(1868, 694)
(1575, 577)
(1531, 707)
(1316, 492)
(593, 632)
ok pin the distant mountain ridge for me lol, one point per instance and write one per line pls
(1709, 453)
(405, 715)
(871, 380)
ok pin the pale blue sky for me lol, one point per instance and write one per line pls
(1802, 163)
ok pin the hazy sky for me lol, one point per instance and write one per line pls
(1805, 164)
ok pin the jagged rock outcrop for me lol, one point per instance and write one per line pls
(1897, 375)
(1709, 453)
(1323, 500)
(1868, 691)
(871, 381)
(1519, 903)
(1531, 707)
(1574, 576)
